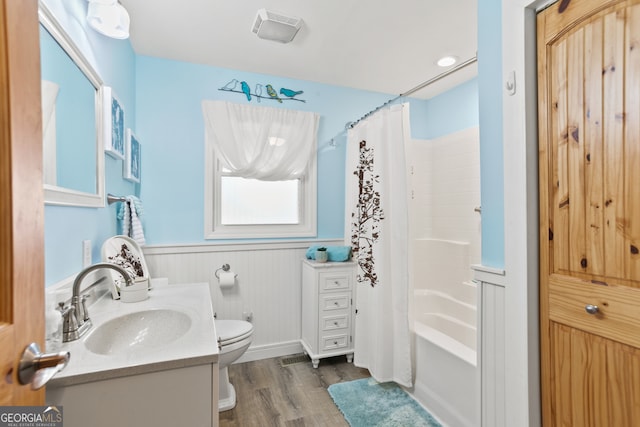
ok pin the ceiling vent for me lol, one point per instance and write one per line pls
(275, 26)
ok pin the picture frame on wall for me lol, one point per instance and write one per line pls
(133, 160)
(114, 137)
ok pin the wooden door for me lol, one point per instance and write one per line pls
(21, 196)
(589, 163)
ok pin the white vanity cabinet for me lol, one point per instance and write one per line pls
(328, 292)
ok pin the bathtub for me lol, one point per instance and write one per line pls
(444, 320)
(447, 322)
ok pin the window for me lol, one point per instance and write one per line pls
(237, 207)
(265, 197)
(252, 202)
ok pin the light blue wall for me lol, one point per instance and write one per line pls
(162, 102)
(491, 157)
(452, 111)
(171, 130)
(65, 227)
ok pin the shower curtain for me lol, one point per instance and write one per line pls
(377, 229)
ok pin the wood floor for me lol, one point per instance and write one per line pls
(269, 394)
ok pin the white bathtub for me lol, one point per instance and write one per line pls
(444, 324)
(447, 322)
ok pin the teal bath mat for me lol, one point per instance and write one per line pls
(368, 403)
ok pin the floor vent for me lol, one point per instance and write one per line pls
(296, 358)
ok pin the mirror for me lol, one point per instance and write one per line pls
(72, 120)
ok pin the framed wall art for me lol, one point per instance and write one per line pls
(133, 160)
(114, 137)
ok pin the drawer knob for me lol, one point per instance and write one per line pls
(336, 303)
(335, 343)
(335, 323)
(591, 309)
(335, 282)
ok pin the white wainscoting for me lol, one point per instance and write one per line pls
(491, 342)
(268, 285)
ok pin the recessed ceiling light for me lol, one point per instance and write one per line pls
(447, 61)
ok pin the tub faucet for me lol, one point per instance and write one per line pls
(76, 320)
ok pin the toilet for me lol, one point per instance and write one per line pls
(234, 337)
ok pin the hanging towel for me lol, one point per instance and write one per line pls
(334, 253)
(136, 231)
(126, 219)
(129, 213)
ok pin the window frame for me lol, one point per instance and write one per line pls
(214, 229)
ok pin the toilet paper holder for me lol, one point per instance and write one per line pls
(225, 268)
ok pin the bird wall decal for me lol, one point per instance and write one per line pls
(245, 89)
(290, 93)
(273, 94)
(231, 85)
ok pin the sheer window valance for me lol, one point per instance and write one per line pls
(265, 143)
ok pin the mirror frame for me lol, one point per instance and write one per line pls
(54, 195)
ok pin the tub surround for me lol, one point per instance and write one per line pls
(447, 323)
(197, 346)
(445, 331)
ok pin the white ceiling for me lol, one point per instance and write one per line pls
(378, 45)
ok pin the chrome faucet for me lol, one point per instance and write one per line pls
(76, 320)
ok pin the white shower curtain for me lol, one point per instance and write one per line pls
(377, 228)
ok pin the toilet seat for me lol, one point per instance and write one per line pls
(232, 331)
(234, 338)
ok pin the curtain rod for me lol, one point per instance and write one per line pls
(422, 85)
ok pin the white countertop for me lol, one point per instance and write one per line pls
(329, 264)
(197, 346)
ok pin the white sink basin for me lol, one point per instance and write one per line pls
(138, 331)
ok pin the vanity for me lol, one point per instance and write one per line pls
(149, 363)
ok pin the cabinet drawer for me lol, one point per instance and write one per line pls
(334, 342)
(335, 281)
(329, 323)
(334, 302)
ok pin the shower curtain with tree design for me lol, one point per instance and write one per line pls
(377, 229)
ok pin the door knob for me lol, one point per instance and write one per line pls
(591, 309)
(37, 368)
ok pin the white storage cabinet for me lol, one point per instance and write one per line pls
(328, 293)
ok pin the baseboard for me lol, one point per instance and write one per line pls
(270, 350)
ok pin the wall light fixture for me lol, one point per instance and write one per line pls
(108, 17)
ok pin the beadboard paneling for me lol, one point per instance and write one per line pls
(268, 285)
(492, 350)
